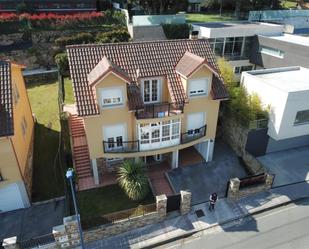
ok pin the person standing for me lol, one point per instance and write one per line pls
(212, 201)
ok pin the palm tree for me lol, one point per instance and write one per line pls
(133, 180)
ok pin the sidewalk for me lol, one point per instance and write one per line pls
(183, 226)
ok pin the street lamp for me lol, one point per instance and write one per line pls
(69, 175)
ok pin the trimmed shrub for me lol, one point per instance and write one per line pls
(176, 31)
(62, 63)
(113, 36)
(81, 38)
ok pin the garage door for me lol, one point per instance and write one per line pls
(10, 198)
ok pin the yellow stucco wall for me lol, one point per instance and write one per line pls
(202, 104)
(8, 163)
(14, 150)
(117, 115)
(22, 110)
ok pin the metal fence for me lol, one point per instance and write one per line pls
(252, 180)
(193, 134)
(89, 222)
(37, 242)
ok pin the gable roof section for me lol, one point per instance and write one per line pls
(189, 63)
(6, 101)
(103, 68)
(138, 60)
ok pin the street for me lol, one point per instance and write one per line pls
(285, 228)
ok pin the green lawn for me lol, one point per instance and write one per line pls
(209, 17)
(288, 4)
(97, 202)
(68, 92)
(48, 180)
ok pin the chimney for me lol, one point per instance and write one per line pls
(194, 35)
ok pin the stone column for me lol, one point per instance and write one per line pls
(185, 202)
(10, 243)
(175, 156)
(161, 201)
(95, 171)
(233, 187)
(67, 235)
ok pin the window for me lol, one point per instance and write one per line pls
(111, 97)
(272, 51)
(239, 70)
(302, 117)
(156, 133)
(151, 90)
(119, 141)
(198, 87)
(229, 46)
(110, 142)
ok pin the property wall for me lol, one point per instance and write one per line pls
(22, 144)
(146, 20)
(294, 54)
(286, 144)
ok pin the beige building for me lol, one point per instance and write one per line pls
(16, 139)
(145, 100)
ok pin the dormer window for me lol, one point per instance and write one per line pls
(151, 90)
(111, 97)
(198, 87)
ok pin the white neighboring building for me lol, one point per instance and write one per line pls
(233, 40)
(286, 92)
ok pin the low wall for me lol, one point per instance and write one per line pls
(236, 192)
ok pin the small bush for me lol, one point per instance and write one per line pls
(113, 36)
(81, 38)
(62, 63)
(176, 31)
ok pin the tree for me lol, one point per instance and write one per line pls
(227, 73)
(133, 180)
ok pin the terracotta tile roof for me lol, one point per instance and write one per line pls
(134, 97)
(6, 101)
(218, 90)
(102, 68)
(138, 60)
(189, 63)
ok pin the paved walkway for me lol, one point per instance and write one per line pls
(226, 211)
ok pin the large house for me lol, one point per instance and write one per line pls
(145, 101)
(16, 139)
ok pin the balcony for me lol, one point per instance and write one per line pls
(136, 146)
(160, 110)
(193, 134)
(121, 147)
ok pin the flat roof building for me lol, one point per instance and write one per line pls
(285, 91)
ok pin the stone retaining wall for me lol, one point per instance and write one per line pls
(236, 136)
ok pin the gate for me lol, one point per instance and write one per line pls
(173, 203)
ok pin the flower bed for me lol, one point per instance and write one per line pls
(55, 21)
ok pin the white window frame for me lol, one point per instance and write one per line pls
(272, 51)
(107, 105)
(159, 83)
(107, 135)
(198, 94)
(161, 141)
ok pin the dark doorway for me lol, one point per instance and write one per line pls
(173, 203)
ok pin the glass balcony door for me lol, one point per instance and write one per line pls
(159, 134)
